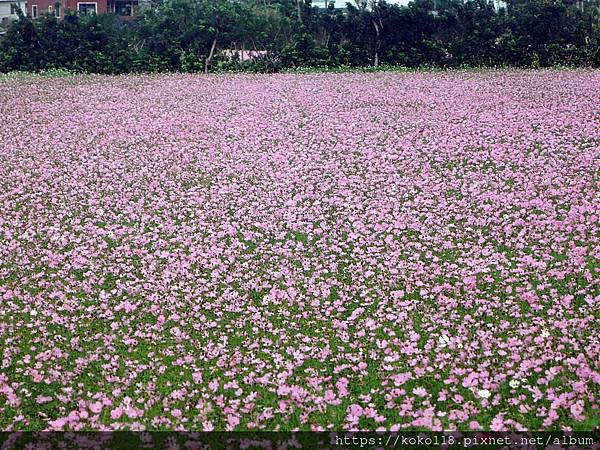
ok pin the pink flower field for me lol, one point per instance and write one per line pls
(349, 251)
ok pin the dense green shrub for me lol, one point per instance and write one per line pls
(191, 36)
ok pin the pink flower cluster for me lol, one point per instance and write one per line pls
(330, 251)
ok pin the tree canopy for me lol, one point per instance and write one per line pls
(210, 35)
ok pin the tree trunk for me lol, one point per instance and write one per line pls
(208, 61)
(299, 10)
(377, 43)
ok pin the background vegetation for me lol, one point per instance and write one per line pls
(191, 36)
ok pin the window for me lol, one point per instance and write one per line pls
(54, 10)
(122, 8)
(34, 11)
(87, 8)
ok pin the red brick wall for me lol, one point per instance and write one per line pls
(101, 5)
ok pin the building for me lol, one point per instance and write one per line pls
(499, 4)
(123, 8)
(9, 8)
(244, 55)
